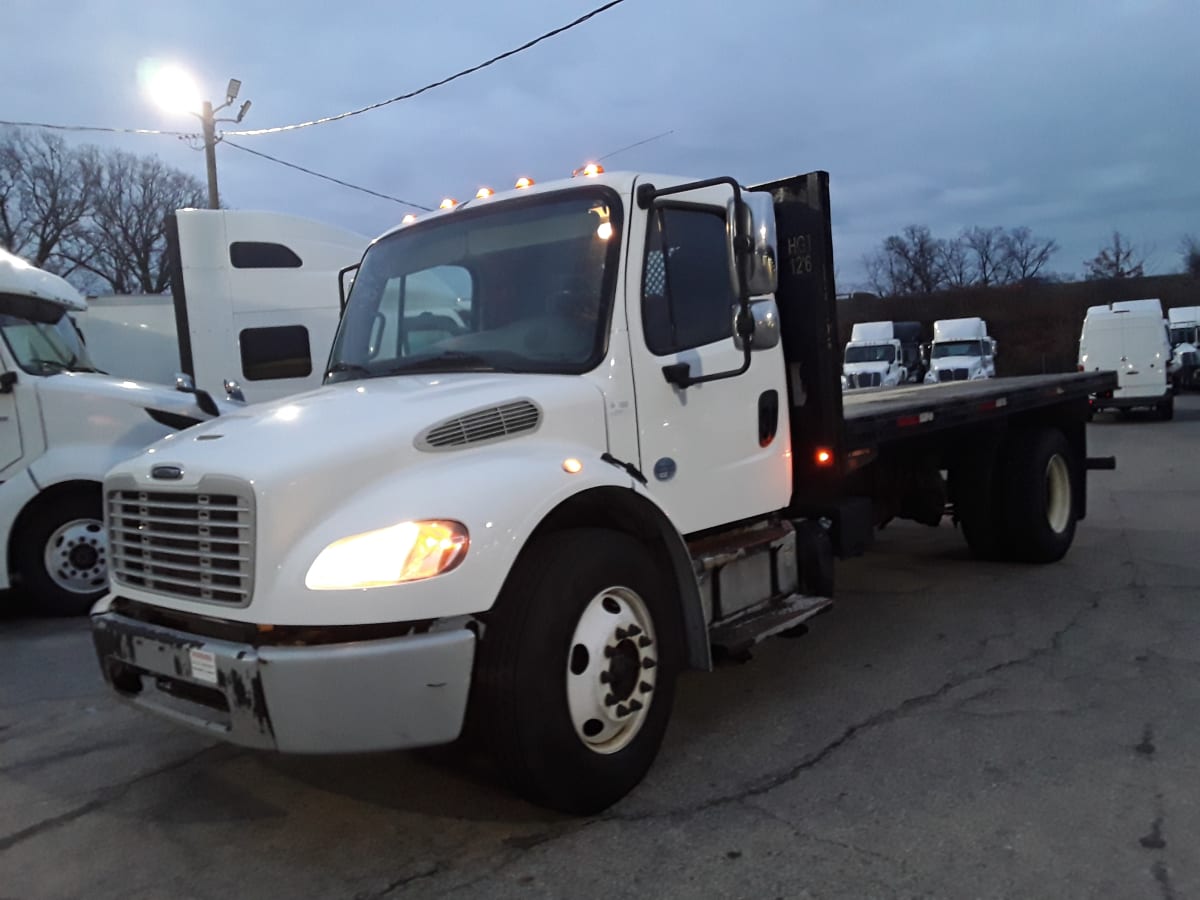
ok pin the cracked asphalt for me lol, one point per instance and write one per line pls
(951, 729)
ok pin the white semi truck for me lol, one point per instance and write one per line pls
(254, 298)
(63, 424)
(881, 354)
(615, 443)
(961, 351)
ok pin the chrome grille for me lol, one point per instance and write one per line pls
(194, 546)
(865, 379)
(488, 424)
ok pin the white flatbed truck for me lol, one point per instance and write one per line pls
(619, 443)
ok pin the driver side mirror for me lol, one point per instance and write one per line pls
(7, 380)
(766, 325)
(345, 282)
(757, 265)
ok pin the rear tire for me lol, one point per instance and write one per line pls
(570, 699)
(1166, 408)
(976, 488)
(61, 554)
(1040, 480)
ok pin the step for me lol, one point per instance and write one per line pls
(762, 622)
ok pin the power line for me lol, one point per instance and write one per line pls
(347, 184)
(635, 144)
(345, 115)
(182, 134)
(435, 84)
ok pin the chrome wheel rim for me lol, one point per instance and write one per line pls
(1058, 494)
(611, 669)
(76, 556)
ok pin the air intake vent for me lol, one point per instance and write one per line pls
(493, 423)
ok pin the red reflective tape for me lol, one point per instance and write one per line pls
(918, 419)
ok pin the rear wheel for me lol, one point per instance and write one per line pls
(1039, 495)
(61, 554)
(976, 487)
(576, 670)
(1166, 408)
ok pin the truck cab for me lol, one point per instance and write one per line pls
(254, 299)
(873, 358)
(961, 351)
(63, 424)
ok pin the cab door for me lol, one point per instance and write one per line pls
(10, 426)
(716, 452)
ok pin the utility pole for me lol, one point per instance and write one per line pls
(176, 91)
(210, 153)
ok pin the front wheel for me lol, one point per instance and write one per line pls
(62, 555)
(576, 669)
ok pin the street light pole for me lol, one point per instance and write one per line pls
(210, 153)
(175, 90)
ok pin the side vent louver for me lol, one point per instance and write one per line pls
(492, 423)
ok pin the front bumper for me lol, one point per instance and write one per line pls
(384, 694)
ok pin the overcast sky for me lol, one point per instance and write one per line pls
(1073, 118)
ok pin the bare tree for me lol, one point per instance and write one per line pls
(1189, 249)
(985, 248)
(907, 263)
(125, 240)
(954, 263)
(1024, 255)
(1119, 259)
(47, 190)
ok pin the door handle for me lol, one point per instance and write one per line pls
(768, 417)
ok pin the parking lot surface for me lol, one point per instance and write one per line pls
(951, 729)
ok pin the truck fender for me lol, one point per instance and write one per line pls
(631, 511)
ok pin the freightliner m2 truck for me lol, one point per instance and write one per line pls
(615, 445)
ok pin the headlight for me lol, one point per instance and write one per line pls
(409, 551)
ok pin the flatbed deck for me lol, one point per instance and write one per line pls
(878, 416)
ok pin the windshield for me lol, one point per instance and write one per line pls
(524, 286)
(942, 349)
(1185, 334)
(877, 353)
(41, 336)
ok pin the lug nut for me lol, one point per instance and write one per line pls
(605, 678)
(645, 687)
(633, 631)
(620, 634)
(644, 642)
(648, 663)
(610, 700)
(622, 711)
(635, 705)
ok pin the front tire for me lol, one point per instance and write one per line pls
(575, 674)
(61, 554)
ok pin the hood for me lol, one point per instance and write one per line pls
(105, 391)
(340, 437)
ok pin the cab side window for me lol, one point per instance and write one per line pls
(687, 298)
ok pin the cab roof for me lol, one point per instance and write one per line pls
(25, 280)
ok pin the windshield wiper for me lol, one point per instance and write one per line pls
(340, 367)
(56, 364)
(450, 360)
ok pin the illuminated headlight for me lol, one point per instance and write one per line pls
(409, 551)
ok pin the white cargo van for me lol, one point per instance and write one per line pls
(63, 424)
(961, 351)
(1130, 339)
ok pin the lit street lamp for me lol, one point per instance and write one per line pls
(175, 91)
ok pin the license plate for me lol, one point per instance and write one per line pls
(204, 665)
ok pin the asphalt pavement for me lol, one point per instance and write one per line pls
(951, 729)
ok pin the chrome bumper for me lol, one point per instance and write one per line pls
(384, 694)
